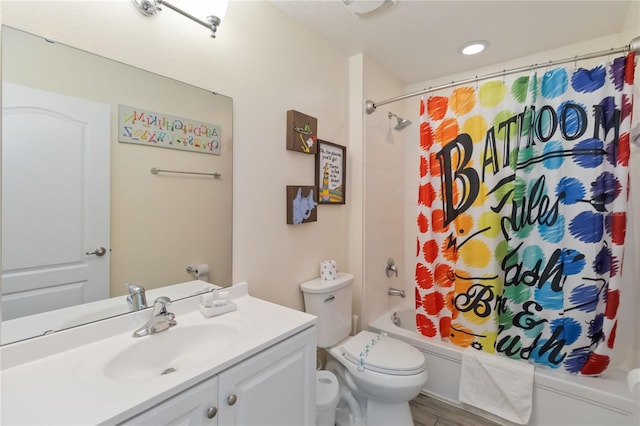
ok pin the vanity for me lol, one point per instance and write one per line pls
(254, 365)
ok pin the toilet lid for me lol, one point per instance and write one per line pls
(385, 354)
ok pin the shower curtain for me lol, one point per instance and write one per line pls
(521, 214)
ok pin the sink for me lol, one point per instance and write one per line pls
(174, 350)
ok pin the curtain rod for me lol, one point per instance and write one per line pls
(633, 46)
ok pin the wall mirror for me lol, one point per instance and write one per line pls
(157, 225)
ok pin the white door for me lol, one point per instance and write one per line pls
(55, 201)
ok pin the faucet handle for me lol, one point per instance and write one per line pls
(136, 298)
(160, 305)
(134, 289)
(391, 268)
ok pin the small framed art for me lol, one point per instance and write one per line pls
(301, 204)
(331, 168)
(302, 132)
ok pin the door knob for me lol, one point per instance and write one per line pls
(100, 251)
(232, 399)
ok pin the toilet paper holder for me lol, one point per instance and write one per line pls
(198, 271)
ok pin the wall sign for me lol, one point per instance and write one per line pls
(144, 127)
(331, 167)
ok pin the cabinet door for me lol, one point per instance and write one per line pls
(273, 388)
(195, 406)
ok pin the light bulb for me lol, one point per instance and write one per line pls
(474, 48)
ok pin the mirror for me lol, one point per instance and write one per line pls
(161, 225)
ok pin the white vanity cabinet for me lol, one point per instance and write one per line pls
(195, 406)
(273, 387)
(252, 366)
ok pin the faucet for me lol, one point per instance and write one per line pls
(391, 268)
(136, 298)
(396, 292)
(161, 319)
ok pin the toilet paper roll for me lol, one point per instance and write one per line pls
(328, 270)
(633, 381)
(201, 272)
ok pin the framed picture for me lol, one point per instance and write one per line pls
(302, 203)
(331, 168)
(302, 132)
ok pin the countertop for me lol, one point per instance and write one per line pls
(58, 379)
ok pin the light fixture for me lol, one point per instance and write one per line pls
(366, 7)
(214, 14)
(474, 47)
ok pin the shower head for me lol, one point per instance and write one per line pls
(402, 122)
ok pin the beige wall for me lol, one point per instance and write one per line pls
(268, 64)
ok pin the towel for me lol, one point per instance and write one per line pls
(499, 385)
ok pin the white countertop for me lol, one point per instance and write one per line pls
(40, 384)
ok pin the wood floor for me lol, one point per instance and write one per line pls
(427, 411)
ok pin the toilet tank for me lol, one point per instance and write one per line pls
(330, 301)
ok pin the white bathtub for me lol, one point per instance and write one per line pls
(558, 399)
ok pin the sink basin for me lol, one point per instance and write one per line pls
(170, 351)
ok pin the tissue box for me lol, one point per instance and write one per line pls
(328, 270)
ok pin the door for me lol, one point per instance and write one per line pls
(55, 201)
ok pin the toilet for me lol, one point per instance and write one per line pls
(377, 374)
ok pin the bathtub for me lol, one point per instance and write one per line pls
(558, 398)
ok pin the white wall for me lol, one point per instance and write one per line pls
(384, 196)
(268, 64)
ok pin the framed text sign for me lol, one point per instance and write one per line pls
(331, 168)
(144, 127)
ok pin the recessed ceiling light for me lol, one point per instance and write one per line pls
(366, 7)
(474, 47)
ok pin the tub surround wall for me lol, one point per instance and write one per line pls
(384, 196)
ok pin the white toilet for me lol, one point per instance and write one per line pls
(378, 375)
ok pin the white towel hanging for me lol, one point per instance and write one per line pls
(497, 384)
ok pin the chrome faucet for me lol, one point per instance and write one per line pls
(136, 298)
(396, 292)
(391, 268)
(161, 319)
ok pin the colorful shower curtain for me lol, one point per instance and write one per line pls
(521, 214)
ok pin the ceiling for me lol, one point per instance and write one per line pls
(419, 40)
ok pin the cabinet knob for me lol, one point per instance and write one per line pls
(232, 399)
(211, 412)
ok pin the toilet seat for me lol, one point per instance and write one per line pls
(382, 354)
